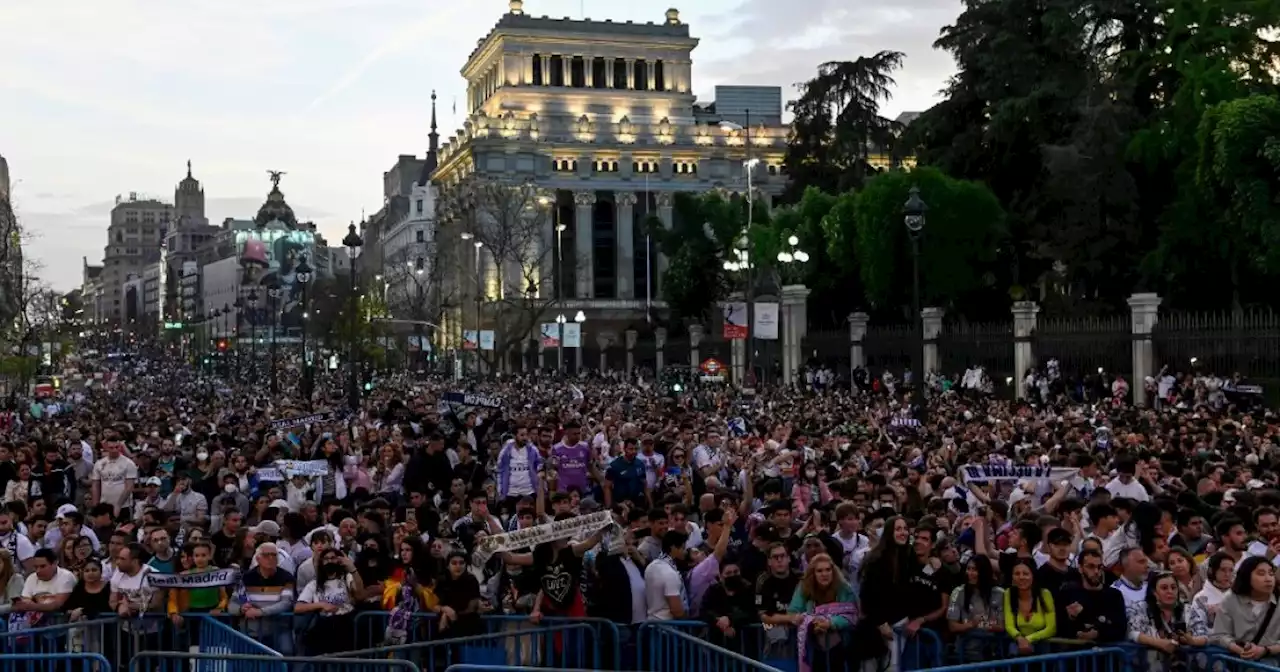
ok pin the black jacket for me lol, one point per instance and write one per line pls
(612, 580)
(1103, 610)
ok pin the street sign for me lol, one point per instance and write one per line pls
(711, 366)
(172, 325)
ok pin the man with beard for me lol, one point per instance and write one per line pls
(1088, 610)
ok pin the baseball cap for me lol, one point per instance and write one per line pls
(278, 504)
(152, 481)
(65, 509)
(267, 527)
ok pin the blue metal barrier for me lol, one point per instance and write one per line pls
(1109, 659)
(161, 661)
(54, 662)
(668, 649)
(552, 646)
(1227, 662)
(218, 638)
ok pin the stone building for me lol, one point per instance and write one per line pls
(589, 126)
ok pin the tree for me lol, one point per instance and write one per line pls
(958, 250)
(705, 229)
(508, 221)
(837, 122)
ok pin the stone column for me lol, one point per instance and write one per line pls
(588, 71)
(795, 324)
(608, 73)
(660, 345)
(566, 64)
(666, 205)
(632, 336)
(1144, 309)
(1024, 356)
(932, 321)
(625, 267)
(857, 333)
(546, 269)
(583, 271)
(695, 339)
(546, 69)
(737, 348)
(631, 73)
(604, 341)
(542, 351)
(651, 68)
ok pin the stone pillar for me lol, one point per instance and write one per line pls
(588, 72)
(542, 351)
(666, 208)
(932, 324)
(546, 69)
(608, 73)
(737, 347)
(660, 345)
(795, 324)
(631, 73)
(695, 339)
(625, 267)
(583, 271)
(1144, 309)
(604, 341)
(577, 352)
(857, 333)
(546, 269)
(566, 63)
(1024, 356)
(631, 336)
(652, 71)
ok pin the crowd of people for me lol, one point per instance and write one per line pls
(832, 526)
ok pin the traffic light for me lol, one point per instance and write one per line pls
(222, 345)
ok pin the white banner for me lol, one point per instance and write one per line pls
(572, 335)
(580, 526)
(735, 320)
(215, 578)
(470, 340)
(766, 322)
(283, 469)
(550, 335)
(988, 473)
(486, 339)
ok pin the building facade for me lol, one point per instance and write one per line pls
(590, 127)
(135, 238)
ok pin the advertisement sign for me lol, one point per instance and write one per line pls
(735, 320)
(766, 326)
(470, 340)
(486, 339)
(550, 335)
(572, 335)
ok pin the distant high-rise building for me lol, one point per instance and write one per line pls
(4, 179)
(134, 240)
(10, 250)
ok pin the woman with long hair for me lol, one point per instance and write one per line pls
(976, 606)
(1220, 570)
(1159, 622)
(388, 473)
(332, 595)
(1029, 615)
(11, 583)
(19, 489)
(1183, 567)
(408, 588)
(810, 489)
(826, 611)
(458, 592)
(1247, 624)
(887, 570)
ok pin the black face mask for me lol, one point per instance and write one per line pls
(334, 569)
(735, 584)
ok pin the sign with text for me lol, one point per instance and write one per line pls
(766, 321)
(735, 320)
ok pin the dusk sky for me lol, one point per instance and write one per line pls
(114, 96)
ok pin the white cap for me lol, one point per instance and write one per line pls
(65, 509)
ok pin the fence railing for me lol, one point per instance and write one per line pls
(54, 662)
(567, 645)
(180, 661)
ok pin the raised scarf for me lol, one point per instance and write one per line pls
(829, 610)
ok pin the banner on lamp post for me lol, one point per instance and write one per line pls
(735, 320)
(766, 322)
(486, 339)
(550, 335)
(572, 335)
(470, 339)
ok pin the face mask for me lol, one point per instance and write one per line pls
(333, 568)
(201, 457)
(229, 488)
(810, 474)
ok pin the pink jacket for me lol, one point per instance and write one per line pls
(802, 496)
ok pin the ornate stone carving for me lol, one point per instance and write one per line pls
(660, 337)
(632, 336)
(584, 197)
(624, 125)
(584, 125)
(625, 198)
(695, 335)
(604, 340)
(666, 199)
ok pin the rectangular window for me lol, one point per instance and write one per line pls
(557, 71)
(642, 75)
(419, 204)
(578, 72)
(659, 77)
(538, 76)
(421, 236)
(619, 74)
(598, 69)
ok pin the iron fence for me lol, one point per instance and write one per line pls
(890, 347)
(1222, 343)
(962, 345)
(1085, 345)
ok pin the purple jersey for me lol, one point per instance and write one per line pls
(572, 464)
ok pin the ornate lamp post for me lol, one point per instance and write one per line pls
(274, 292)
(239, 306)
(353, 242)
(253, 332)
(303, 275)
(913, 216)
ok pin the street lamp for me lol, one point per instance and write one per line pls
(560, 320)
(749, 168)
(239, 306)
(479, 291)
(913, 216)
(303, 275)
(580, 318)
(353, 243)
(253, 332)
(274, 292)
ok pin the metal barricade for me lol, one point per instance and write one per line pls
(1223, 661)
(218, 638)
(53, 662)
(162, 661)
(1108, 659)
(673, 649)
(523, 649)
(551, 646)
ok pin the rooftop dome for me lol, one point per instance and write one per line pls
(275, 207)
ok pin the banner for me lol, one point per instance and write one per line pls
(468, 399)
(989, 473)
(300, 420)
(216, 578)
(572, 335)
(550, 335)
(470, 340)
(766, 321)
(284, 469)
(580, 526)
(486, 339)
(735, 320)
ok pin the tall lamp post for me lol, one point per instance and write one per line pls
(479, 292)
(274, 292)
(239, 306)
(416, 271)
(743, 244)
(303, 275)
(353, 242)
(913, 216)
(253, 332)
(560, 320)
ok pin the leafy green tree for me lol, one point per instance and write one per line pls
(958, 248)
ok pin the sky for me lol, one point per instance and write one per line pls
(106, 97)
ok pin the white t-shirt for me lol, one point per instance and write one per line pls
(18, 544)
(639, 608)
(661, 581)
(519, 483)
(112, 474)
(705, 456)
(135, 590)
(1132, 490)
(653, 467)
(39, 591)
(335, 591)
